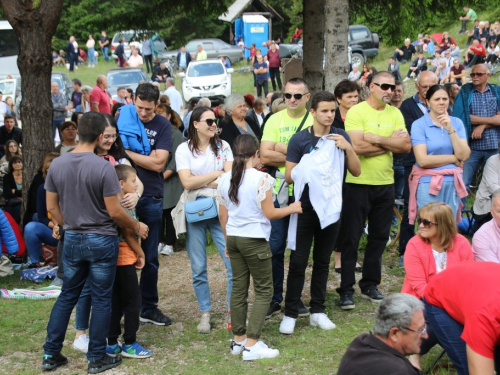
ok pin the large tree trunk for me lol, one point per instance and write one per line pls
(314, 29)
(34, 23)
(336, 29)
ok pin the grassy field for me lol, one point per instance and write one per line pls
(179, 349)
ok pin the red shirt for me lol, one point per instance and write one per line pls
(101, 97)
(470, 293)
(479, 50)
(273, 58)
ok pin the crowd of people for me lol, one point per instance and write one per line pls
(262, 175)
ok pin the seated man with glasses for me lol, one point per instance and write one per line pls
(478, 106)
(397, 332)
(461, 306)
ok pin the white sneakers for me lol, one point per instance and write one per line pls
(237, 347)
(322, 321)
(166, 250)
(81, 343)
(406, 79)
(204, 326)
(259, 351)
(287, 325)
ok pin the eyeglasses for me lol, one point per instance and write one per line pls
(420, 332)
(475, 74)
(296, 96)
(210, 121)
(425, 222)
(385, 86)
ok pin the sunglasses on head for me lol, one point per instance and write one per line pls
(296, 96)
(210, 121)
(425, 222)
(385, 86)
(475, 74)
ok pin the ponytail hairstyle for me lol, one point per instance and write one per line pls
(244, 147)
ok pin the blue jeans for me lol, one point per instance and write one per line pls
(35, 234)
(447, 194)
(105, 51)
(196, 240)
(85, 257)
(448, 332)
(91, 56)
(83, 308)
(277, 242)
(471, 164)
(56, 125)
(149, 210)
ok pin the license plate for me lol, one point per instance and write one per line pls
(208, 93)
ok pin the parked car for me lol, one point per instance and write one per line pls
(362, 41)
(135, 38)
(125, 77)
(65, 86)
(207, 78)
(214, 48)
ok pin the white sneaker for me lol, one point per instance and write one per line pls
(406, 79)
(412, 75)
(204, 326)
(167, 250)
(237, 347)
(322, 321)
(81, 343)
(287, 325)
(259, 351)
(160, 247)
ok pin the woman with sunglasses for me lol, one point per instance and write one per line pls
(436, 247)
(440, 146)
(236, 124)
(200, 162)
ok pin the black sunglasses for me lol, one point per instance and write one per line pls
(474, 74)
(386, 86)
(426, 222)
(296, 96)
(210, 121)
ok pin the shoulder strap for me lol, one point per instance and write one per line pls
(303, 122)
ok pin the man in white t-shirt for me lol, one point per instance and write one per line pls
(174, 95)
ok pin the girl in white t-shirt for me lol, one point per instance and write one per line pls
(200, 162)
(245, 210)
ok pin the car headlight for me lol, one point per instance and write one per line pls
(224, 86)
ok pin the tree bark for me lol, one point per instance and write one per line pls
(336, 30)
(34, 23)
(314, 29)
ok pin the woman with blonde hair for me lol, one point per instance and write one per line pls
(436, 247)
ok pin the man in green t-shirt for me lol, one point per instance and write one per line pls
(376, 129)
(470, 15)
(280, 127)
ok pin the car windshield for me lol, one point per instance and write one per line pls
(7, 87)
(202, 70)
(58, 80)
(124, 78)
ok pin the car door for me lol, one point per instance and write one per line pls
(209, 48)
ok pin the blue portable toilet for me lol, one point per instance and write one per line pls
(255, 30)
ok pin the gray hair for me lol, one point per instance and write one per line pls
(495, 194)
(396, 310)
(278, 105)
(171, 81)
(232, 99)
(204, 102)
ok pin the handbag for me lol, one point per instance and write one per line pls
(201, 209)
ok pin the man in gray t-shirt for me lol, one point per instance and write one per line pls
(82, 194)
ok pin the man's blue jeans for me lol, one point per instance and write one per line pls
(105, 51)
(86, 257)
(35, 234)
(56, 125)
(149, 210)
(471, 164)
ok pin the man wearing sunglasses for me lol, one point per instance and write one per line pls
(280, 127)
(412, 109)
(478, 106)
(376, 130)
(398, 332)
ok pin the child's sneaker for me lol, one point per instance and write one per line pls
(135, 351)
(113, 350)
(81, 343)
(237, 347)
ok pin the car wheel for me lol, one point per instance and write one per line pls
(357, 59)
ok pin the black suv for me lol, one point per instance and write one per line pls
(362, 41)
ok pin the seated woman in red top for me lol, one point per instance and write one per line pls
(436, 247)
(462, 308)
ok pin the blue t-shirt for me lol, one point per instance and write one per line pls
(263, 76)
(159, 131)
(437, 140)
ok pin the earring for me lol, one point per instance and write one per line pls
(197, 129)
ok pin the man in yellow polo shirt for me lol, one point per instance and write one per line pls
(376, 130)
(278, 130)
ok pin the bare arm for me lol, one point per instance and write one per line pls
(269, 156)
(398, 142)
(478, 364)
(223, 217)
(167, 174)
(191, 182)
(153, 162)
(431, 161)
(95, 107)
(362, 147)
(477, 120)
(52, 200)
(288, 172)
(134, 244)
(273, 213)
(122, 218)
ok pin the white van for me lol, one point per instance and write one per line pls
(9, 49)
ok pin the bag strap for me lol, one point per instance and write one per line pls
(302, 123)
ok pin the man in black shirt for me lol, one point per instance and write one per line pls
(104, 43)
(406, 52)
(8, 131)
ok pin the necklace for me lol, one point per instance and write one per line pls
(440, 259)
